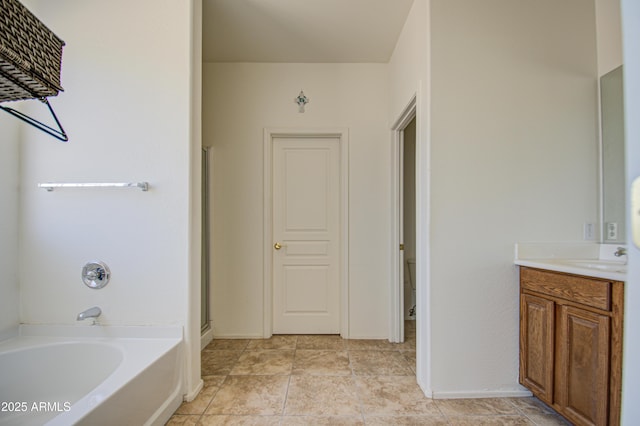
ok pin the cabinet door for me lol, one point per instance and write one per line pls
(582, 378)
(537, 319)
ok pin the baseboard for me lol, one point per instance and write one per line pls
(194, 392)
(514, 393)
(367, 337)
(425, 390)
(206, 338)
(238, 336)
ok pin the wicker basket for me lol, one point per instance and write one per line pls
(30, 55)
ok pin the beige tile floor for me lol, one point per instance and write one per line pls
(325, 380)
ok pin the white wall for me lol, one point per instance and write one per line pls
(409, 77)
(9, 186)
(507, 152)
(127, 107)
(609, 32)
(193, 322)
(240, 100)
(514, 155)
(408, 64)
(631, 368)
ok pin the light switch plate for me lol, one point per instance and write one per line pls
(635, 211)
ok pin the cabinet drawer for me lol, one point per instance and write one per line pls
(587, 291)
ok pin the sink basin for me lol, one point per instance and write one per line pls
(600, 265)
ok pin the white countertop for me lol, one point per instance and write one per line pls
(587, 259)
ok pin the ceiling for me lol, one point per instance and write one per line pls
(302, 30)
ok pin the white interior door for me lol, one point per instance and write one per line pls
(306, 233)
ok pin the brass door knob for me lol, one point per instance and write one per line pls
(277, 246)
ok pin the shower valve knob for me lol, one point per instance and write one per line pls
(95, 274)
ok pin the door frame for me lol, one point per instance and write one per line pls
(342, 134)
(396, 290)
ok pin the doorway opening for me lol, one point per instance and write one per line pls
(408, 219)
(403, 188)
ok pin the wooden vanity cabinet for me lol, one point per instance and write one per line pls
(537, 334)
(571, 344)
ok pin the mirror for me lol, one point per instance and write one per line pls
(613, 183)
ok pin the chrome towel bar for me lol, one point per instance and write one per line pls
(144, 186)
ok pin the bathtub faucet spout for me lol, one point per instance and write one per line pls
(90, 313)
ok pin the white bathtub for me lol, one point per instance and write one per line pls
(90, 375)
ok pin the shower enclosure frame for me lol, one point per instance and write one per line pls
(205, 303)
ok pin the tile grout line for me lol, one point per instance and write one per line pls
(286, 394)
(286, 397)
(355, 384)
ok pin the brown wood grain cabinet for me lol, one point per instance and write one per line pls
(571, 344)
(537, 336)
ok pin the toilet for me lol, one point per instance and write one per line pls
(411, 263)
